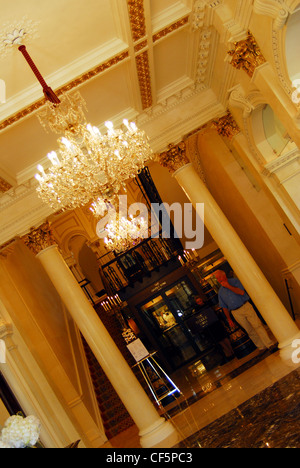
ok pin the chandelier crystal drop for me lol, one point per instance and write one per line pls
(90, 165)
(123, 233)
(99, 208)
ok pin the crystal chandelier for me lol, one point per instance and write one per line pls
(88, 165)
(91, 165)
(123, 233)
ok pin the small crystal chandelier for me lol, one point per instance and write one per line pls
(123, 233)
(88, 165)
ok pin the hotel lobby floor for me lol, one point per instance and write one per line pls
(246, 403)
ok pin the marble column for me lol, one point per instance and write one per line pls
(254, 281)
(154, 430)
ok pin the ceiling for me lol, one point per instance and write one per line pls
(132, 59)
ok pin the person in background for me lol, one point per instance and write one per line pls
(219, 333)
(233, 298)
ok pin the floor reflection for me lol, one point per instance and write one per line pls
(249, 403)
(270, 419)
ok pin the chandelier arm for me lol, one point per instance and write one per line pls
(48, 92)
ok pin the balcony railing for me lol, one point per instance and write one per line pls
(139, 262)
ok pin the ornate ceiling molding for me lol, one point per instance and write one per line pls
(276, 9)
(238, 99)
(281, 162)
(68, 87)
(144, 77)
(138, 29)
(169, 29)
(23, 31)
(137, 19)
(4, 185)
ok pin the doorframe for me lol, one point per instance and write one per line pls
(153, 340)
(8, 398)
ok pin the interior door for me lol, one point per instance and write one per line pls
(165, 327)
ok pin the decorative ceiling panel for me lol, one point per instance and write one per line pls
(132, 59)
(171, 58)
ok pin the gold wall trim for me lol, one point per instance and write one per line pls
(73, 84)
(143, 69)
(137, 19)
(170, 29)
(94, 72)
(141, 45)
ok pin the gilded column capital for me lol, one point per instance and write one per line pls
(174, 158)
(247, 55)
(4, 185)
(40, 238)
(226, 126)
(6, 329)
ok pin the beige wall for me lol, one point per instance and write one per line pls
(38, 313)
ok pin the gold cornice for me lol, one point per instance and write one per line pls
(94, 72)
(141, 45)
(69, 86)
(137, 19)
(143, 70)
(173, 27)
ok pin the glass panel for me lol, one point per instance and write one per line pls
(182, 299)
(275, 132)
(182, 348)
(158, 310)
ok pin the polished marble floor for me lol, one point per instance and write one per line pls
(247, 403)
(270, 419)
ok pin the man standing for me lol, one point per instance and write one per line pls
(233, 298)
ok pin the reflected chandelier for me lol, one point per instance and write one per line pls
(88, 165)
